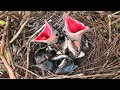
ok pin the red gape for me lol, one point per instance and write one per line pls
(74, 26)
(74, 29)
(45, 34)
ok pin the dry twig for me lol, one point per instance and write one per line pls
(10, 70)
(81, 76)
(20, 30)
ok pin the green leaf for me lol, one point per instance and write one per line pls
(5, 54)
(2, 22)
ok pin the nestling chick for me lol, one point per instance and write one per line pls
(74, 30)
(47, 35)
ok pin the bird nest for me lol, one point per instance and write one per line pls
(101, 60)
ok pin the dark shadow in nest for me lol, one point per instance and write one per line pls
(34, 46)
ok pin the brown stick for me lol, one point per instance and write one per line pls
(20, 30)
(28, 50)
(5, 29)
(115, 21)
(2, 15)
(1, 12)
(10, 70)
(109, 26)
(80, 76)
(9, 56)
(25, 17)
(28, 71)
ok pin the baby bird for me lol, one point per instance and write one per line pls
(47, 35)
(74, 30)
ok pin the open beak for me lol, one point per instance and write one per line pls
(46, 35)
(74, 29)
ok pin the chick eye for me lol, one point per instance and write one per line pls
(57, 34)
